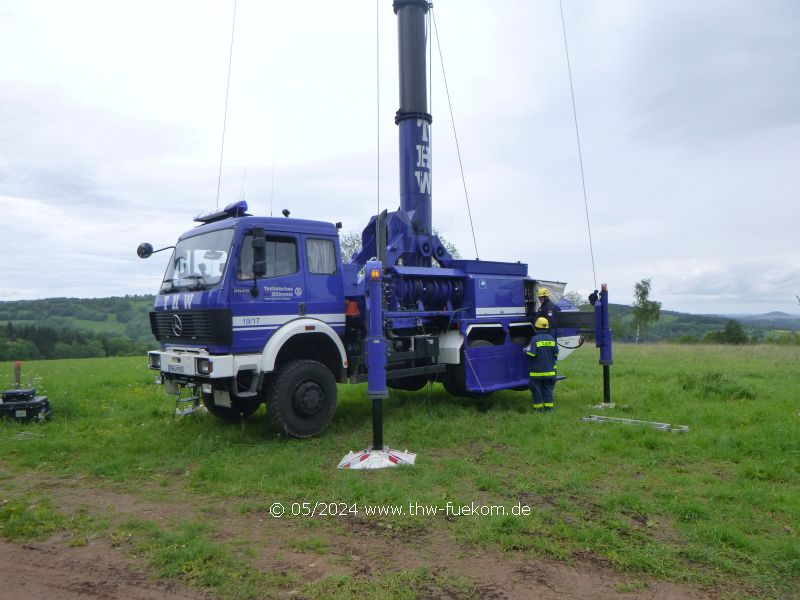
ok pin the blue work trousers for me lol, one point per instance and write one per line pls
(542, 392)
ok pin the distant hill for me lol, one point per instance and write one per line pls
(677, 326)
(771, 320)
(81, 327)
(75, 328)
(125, 316)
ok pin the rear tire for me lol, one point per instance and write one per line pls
(302, 398)
(455, 379)
(408, 384)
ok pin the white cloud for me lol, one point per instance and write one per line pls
(111, 123)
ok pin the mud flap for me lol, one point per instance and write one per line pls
(490, 368)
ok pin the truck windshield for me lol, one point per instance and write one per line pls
(198, 262)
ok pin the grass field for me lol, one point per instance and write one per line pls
(716, 509)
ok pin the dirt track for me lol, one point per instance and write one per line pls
(51, 570)
(55, 570)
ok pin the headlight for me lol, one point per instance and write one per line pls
(155, 360)
(203, 366)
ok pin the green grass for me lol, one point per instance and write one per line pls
(186, 550)
(25, 517)
(718, 505)
(396, 585)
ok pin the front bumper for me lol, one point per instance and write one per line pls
(195, 364)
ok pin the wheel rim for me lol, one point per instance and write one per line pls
(308, 398)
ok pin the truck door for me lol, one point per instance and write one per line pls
(280, 293)
(324, 283)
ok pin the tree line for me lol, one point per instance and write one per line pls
(34, 342)
(124, 316)
(644, 320)
(98, 327)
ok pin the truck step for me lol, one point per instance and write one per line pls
(193, 403)
(195, 406)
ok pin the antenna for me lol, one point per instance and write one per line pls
(272, 187)
(227, 93)
(241, 192)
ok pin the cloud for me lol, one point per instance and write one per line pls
(689, 116)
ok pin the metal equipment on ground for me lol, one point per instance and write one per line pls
(24, 405)
(653, 424)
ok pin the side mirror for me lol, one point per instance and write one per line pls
(259, 252)
(144, 250)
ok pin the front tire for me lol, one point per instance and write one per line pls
(302, 398)
(239, 410)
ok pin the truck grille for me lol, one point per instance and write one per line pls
(212, 326)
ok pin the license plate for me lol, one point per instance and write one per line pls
(21, 414)
(176, 369)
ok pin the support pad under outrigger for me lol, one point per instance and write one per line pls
(377, 459)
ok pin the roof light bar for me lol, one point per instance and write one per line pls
(234, 209)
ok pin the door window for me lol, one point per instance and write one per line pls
(281, 257)
(321, 256)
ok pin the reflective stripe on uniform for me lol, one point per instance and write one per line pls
(548, 405)
(545, 343)
(545, 374)
(533, 354)
(538, 405)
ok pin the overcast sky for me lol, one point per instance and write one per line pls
(111, 120)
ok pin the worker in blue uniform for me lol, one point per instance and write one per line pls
(548, 310)
(543, 355)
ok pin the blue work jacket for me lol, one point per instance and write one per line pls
(549, 311)
(543, 354)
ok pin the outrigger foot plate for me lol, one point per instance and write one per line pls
(383, 458)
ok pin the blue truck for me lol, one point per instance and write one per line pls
(257, 310)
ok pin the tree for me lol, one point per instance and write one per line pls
(732, 334)
(350, 244)
(574, 297)
(449, 246)
(645, 311)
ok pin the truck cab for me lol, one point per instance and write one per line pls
(242, 297)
